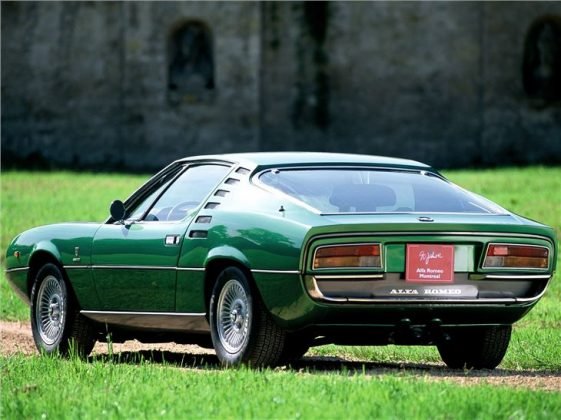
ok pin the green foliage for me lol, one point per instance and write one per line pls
(54, 388)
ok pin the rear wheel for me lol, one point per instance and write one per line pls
(56, 324)
(242, 330)
(476, 348)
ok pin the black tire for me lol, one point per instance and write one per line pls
(295, 347)
(242, 330)
(476, 348)
(56, 323)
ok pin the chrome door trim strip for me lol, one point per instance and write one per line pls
(347, 276)
(255, 270)
(132, 267)
(126, 313)
(15, 270)
(135, 267)
(159, 267)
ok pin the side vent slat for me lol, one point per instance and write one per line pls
(221, 193)
(232, 181)
(200, 234)
(242, 171)
(203, 219)
(211, 205)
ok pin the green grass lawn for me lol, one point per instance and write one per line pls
(76, 389)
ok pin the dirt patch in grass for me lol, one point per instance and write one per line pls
(15, 337)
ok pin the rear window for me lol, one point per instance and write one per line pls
(375, 191)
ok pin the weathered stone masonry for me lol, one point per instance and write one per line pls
(135, 85)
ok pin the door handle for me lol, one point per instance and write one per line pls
(172, 240)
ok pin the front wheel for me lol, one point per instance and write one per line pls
(56, 325)
(476, 348)
(242, 330)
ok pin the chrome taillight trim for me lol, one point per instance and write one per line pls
(376, 268)
(489, 244)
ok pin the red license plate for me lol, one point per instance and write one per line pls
(429, 263)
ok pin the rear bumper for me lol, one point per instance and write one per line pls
(482, 289)
(296, 303)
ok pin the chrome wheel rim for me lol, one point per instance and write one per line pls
(234, 314)
(51, 310)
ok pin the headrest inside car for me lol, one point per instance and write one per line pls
(362, 197)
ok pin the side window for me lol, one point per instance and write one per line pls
(143, 204)
(187, 192)
(137, 213)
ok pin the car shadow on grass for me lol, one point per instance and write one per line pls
(323, 364)
(164, 357)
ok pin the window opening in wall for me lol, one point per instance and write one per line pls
(542, 60)
(190, 63)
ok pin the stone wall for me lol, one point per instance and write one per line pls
(136, 84)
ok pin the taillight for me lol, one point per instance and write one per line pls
(516, 256)
(348, 256)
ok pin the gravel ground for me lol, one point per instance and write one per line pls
(15, 337)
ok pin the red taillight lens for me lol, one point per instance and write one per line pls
(348, 256)
(516, 256)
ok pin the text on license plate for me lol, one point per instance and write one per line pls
(429, 263)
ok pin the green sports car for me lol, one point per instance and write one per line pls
(264, 255)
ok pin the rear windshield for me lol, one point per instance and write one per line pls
(375, 191)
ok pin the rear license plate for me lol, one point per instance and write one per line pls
(430, 263)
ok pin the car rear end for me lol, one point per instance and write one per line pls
(425, 273)
(401, 255)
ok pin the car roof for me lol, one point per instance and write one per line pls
(273, 159)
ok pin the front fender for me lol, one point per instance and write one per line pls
(48, 247)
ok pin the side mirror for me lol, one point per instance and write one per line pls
(117, 210)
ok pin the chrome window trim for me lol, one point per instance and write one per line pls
(196, 209)
(183, 164)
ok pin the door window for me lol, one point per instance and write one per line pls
(187, 192)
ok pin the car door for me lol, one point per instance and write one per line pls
(134, 261)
